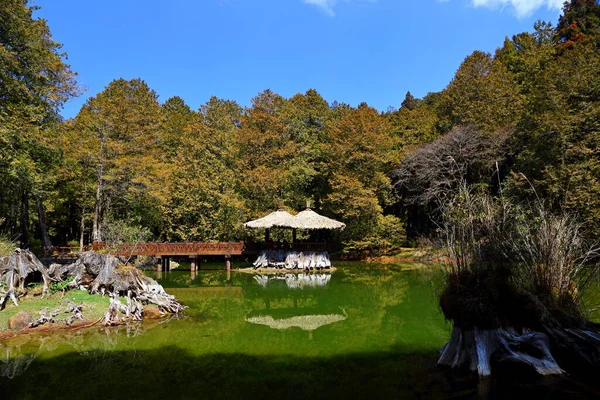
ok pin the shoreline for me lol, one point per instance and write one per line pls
(47, 328)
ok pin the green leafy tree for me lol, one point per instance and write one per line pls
(204, 203)
(483, 93)
(35, 82)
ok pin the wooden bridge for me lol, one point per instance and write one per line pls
(194, 250)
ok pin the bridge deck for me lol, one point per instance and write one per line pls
(228, 249)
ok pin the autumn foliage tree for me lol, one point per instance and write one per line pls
(116, 134)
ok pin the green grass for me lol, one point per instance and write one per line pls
(95, 306)
(6, 247)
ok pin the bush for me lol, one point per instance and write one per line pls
(118, 232)
(56, 287)
(386, 237)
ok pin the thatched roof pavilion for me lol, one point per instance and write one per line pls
(279, 218)
(307, 219)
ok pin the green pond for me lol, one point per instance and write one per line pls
(364, 331)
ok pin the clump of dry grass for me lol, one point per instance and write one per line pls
(513, 264)
(7, 247)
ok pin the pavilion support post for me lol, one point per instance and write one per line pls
(267, 235)
(294, 235)
(228, 263)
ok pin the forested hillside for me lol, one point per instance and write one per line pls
(530, 111)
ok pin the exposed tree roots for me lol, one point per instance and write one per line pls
(102, 273)
(97, 273)
(523, 355)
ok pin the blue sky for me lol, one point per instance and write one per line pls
(348, 50)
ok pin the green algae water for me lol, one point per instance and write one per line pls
(364, 331)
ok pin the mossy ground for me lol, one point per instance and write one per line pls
(95, 306)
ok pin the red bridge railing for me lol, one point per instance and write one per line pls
(175, 249)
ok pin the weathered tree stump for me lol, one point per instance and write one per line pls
(103, 273)
(97, 273)
(482, 351)
(15, 269)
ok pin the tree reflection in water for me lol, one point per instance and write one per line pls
(16, 358)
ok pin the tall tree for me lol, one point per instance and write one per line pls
(264, 149)
(309, 119)
(483, 93)
(579, 24)
(203, 202)
(117, 131)
(35, 82)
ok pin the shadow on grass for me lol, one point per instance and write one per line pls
(169, 372)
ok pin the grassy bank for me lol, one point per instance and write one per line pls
(94, 307)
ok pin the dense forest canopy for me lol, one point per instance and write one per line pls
(530, 109)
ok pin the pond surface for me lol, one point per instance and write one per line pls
(365, 331)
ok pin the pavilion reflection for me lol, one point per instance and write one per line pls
(295, 281)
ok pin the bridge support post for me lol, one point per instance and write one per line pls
(166, 263)
(228, 263)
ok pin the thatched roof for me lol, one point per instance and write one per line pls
(279, 218)
(308, 219)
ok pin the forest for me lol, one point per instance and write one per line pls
(522, 123)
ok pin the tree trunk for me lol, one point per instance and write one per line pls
(82, 231)
(97, 228)
(43, 225)
(25, 219)
(98, 210)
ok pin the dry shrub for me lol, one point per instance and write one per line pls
(515, 265)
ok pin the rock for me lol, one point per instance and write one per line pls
(19, 321)
(151, 312)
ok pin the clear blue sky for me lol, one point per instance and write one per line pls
(348, 50)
